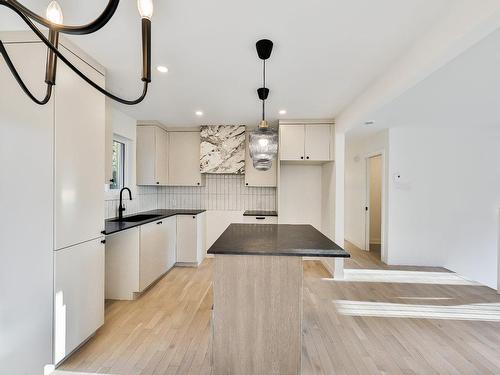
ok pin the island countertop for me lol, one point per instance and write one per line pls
(276, 239)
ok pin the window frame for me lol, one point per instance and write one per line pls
(123, 161)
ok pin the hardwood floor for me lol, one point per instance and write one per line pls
(380, 320)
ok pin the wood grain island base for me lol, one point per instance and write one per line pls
(258, 296)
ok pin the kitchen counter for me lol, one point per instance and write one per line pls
(260, 213)
(257, 289)
(112, 226)
(276, 239)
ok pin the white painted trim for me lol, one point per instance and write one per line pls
(383, 226)
(355, 243)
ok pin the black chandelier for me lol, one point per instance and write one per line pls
(54, 22)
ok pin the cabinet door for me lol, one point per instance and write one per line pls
(187, 239)
(292, 142)
(317, 142)
(78, 295)
(146, 155)
(26, 170)
(253, 177)
(184, 159)
(171, 230)
(161, 152)
(153, 249)
(79, 155)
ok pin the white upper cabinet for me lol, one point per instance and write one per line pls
(254, 177)
(317, 142)
(79, 155)
(291, 142)
(152, 155)
(306, 142)
(184, 159)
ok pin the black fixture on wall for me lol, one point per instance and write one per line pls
(55, 27)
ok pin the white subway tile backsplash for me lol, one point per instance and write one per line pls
(221, 192)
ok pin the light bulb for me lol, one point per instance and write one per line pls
(145, 8)
(54, 13)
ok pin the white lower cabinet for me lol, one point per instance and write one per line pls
(260, 219)
(190, 239)
(137, 257)
(78, 295)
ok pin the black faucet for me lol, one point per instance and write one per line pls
(120, 207)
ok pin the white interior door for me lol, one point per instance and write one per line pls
(374, 195)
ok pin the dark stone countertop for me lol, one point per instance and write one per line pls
(260, 213)
(276, 239)
(118, 226)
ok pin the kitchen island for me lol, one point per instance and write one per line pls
(258, 296)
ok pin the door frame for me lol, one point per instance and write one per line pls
(383, 248)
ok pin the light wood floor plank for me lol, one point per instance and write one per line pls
(167, 330)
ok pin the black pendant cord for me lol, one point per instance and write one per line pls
(49, 45)
(264, 86)
(16, 75)
(89, 28)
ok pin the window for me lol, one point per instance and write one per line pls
(118, 167)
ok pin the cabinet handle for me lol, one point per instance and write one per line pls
(260, 217)
(103, 241)
(103, 231)
(194, 217)
(307, 157)
(302, 157)
(157, 182)
(160, 222)
(246, 183)
(198, 183)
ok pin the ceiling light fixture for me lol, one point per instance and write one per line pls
(199, 113)
(54, 22)
(282, 112)
(162, 69)
(263, 142)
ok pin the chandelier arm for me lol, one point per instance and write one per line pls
(89, 28)
(49, 45)
(19, 80)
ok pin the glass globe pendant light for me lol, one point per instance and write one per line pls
(263, 142)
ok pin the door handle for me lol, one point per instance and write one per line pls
(160, 222)
(260, 217)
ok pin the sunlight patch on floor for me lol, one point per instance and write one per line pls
(407, 277)
(489, 312)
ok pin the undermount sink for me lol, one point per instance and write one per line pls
(136, 218)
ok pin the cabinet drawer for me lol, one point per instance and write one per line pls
(260, 219)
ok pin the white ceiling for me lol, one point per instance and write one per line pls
(463, 94)
(326, 52)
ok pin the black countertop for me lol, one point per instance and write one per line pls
(118, 226)
(260, 213)
(276, 239)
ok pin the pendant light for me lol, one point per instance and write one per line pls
(263, 142)
(53, 21)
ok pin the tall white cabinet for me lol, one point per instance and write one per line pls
(52, 158)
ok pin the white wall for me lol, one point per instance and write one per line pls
(443, 212)
(357, 150)
(300, 195)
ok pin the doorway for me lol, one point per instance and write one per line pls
(374, 187)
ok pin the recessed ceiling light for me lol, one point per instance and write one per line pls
(369, 122)
(282, 112)
(162, 69)
(199, 113)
